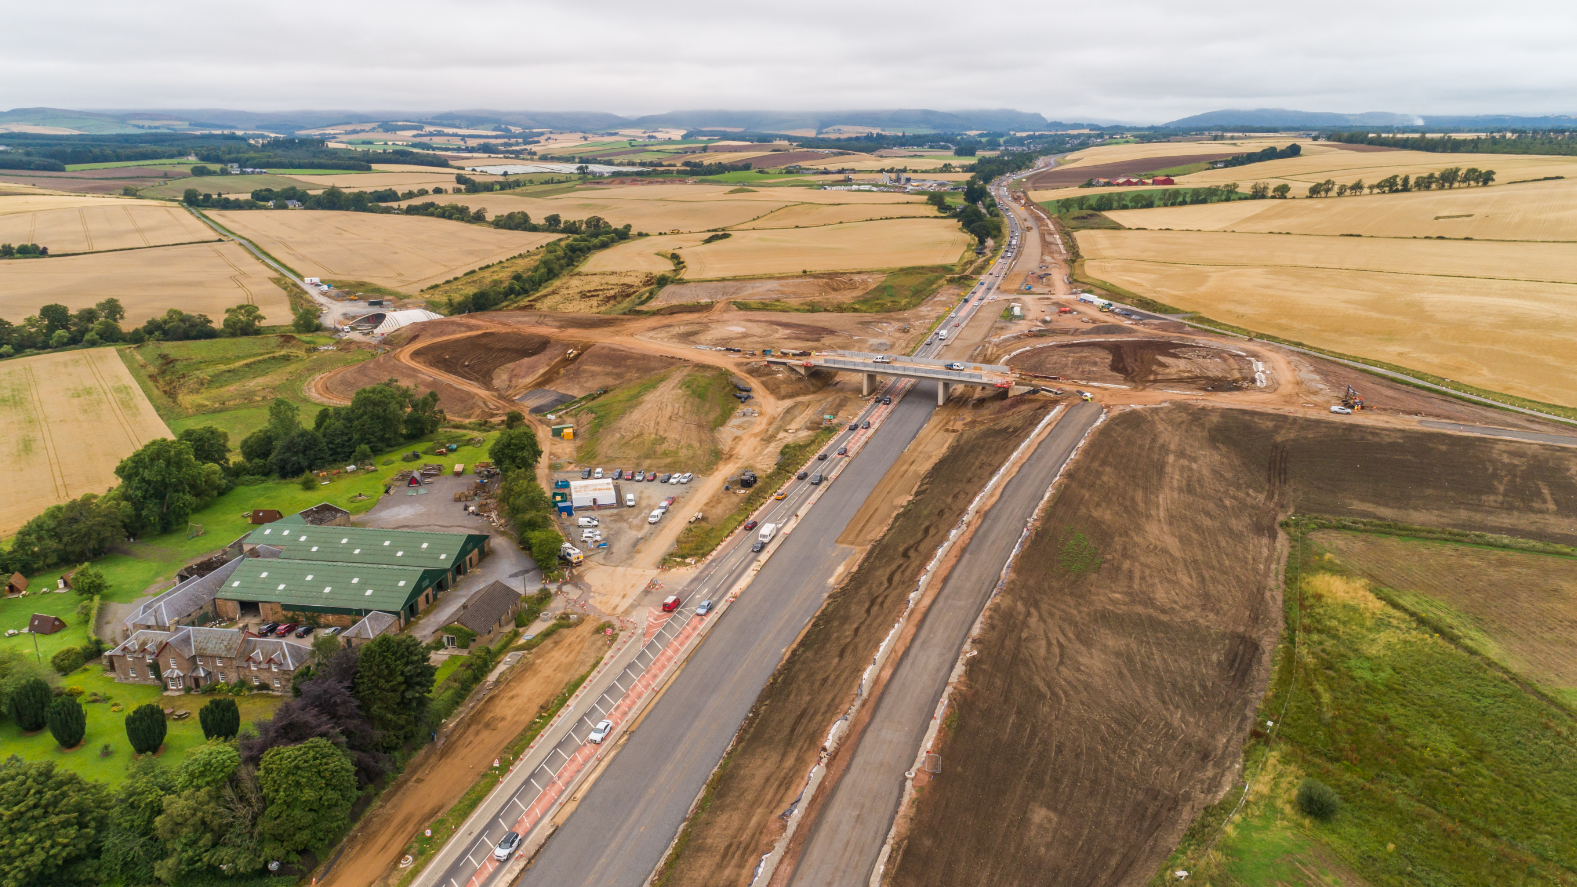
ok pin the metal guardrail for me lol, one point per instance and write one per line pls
(900, 370)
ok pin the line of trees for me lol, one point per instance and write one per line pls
(1450, 177)
(1146, 199)
(515, 452)
(558, 258)
(1270, 153)
(1519, 142)
(56, 326)
(379, 418)
(22, 251)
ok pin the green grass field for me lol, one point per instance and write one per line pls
(231, 185)
(746, 177)
(1451, 770)
(74, 167)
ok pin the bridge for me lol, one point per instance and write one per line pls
(985, 375)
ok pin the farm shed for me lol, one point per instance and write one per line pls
(397, 320)
(592, 493)
(490, 612)
(263, 516)
(43, 623)
(328, 593)
(16, 584)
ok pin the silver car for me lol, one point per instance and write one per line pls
(600, 732)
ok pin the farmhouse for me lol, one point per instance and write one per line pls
(194, 657)
(488, 614)
(376, 623)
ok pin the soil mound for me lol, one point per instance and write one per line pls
(1142, 362)
(474, 358)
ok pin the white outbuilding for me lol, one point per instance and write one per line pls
(592, 493)
(397, 320)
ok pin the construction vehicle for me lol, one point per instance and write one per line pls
(572, 554)
(1352, 400)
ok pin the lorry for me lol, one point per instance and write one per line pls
(572, 554)
(767, 532)
(942, 334)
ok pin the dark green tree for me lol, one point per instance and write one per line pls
(308, 789)
(243, 320)
(544, 545)
(67, 722)
(221, 719)
(259, 445)
(513, 418)
(164, 483)
(515, 449)
(1318, 800)
(131, 846)
(209, 444)
(300, 451)
(306, 320)
(392, 680)
(145, 727)
(88, 581)
(54, 825)
(29, 703)
(425, 416)
(111, 310)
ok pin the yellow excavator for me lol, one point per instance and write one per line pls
(1352, 400)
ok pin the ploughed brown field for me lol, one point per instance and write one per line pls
(1066, 176)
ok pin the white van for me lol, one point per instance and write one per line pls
(629, 500)
(655, 516)
(597, 473)
(586, 522)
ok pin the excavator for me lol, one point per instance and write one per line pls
(1352, 400)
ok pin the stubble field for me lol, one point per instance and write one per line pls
(404, 253)
(1491, 314)
(856, 246)
(70, 418)
(80, 226)
(204, 278)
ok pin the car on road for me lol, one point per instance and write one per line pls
(757, 545)
(820, 457)
(305, 630)
(802, 475)
(780, 494)
(286, 629)
(854, 426)
(586, 473)
(510, 842)
(881, 358)
(1341, 410)
(705, 608)
(955, 323)
(955, 365)
(843, 451)
(816, 479)
(601, 731)
(887, 400)
(671, 603)
(866, 424)
(750, 525)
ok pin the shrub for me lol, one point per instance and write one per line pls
(75, 691)
(1318, 800)
(67, 661)
(145, 727)
(67, 722)
(28, 703)
(221, 719)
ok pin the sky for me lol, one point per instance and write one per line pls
(1119, 60)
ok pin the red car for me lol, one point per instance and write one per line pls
(750, 525)
(671, 603)
(287, 628)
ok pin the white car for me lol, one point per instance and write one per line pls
(586, 522)
(597, 473)
(1341, 410)
(600, 732)
(688, 477)
(655, 516)
(506, 847)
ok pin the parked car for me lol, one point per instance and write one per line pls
(651, 475)
(688, 476)
(619, 475)
(629, 500)
(843, 451)
(671, 603)
(597, 473)
(749, 525)
(705, 608)
(267, 628)
(802, 475)
(664, 478)
(1341, 410)
(586, 473)
(507, 846)
(639, 476)
(305, 630)
(286, 629)
(331, 631)
(601, 731)
(668, 503)
(655, 516)
(816, 479)
(586, 522)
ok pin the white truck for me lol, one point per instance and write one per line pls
(767, 532)
(942, 334)
(572, 554)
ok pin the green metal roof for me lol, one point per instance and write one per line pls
(361, 545)
(319, 584)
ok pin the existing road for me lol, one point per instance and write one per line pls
(848, 835)
(1486, 431)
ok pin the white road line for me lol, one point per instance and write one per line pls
(516, 799)
(561, 752)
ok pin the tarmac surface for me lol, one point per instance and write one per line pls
(1486, 431)
(847, 837)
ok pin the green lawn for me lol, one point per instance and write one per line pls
(108, 726)
(745, 177)
(224, 184)
(74, 167)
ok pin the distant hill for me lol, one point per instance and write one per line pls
(1282, 117)
(902, 120)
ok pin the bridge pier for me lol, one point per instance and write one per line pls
(867, 384)
(943, 389)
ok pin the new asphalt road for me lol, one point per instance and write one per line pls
(847, 837)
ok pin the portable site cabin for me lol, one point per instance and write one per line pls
(597, 493)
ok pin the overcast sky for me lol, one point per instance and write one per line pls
(1125, 60)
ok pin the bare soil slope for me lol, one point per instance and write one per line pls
(1119, 669)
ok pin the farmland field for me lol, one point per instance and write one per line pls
(80, 226)
(232, 185)
(416, 177)
(856, 246)
(70, 418)
(204, 278)
(640, 254)
(810, 215)
(404, 253)
(1545, 211)
(651, 216)
(1493, 315)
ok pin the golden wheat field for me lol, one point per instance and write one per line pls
(70, 418)
(1530, 211)
(811, 215)
(100, 225)
(202, 278)
(1493, 315)
(1144, 150)
(856, 246)
(1345, 167)
(405, 253)
(651, 216)
(413, 178)
(640, 254)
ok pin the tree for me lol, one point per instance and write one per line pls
(515, 448)
(524, 502)
(1259, 191)
(513, 418)
(544, 545)
(54, 823)
(145, 727)
(425, 416)
(67, 660)
(259, 445)
(67, 722)
(89, 581)
(243, 320)
(131, 846)
(28, 704)
(164, 483)
(1486, 177)
(392, 680)
(283, 416)
(208, 765)
(306, 320)
(1318, 800)
(111, 310)
(301, 451)
(221, 719)
(1281, 191)
(363, 455)
(308, 789)
(209, 445)
(56, 317)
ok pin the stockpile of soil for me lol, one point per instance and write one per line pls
(608, 366)
(1142, 362)
(456, 401)
(780, 739)
(476, 357)
(1128, 650)
(843, 287)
